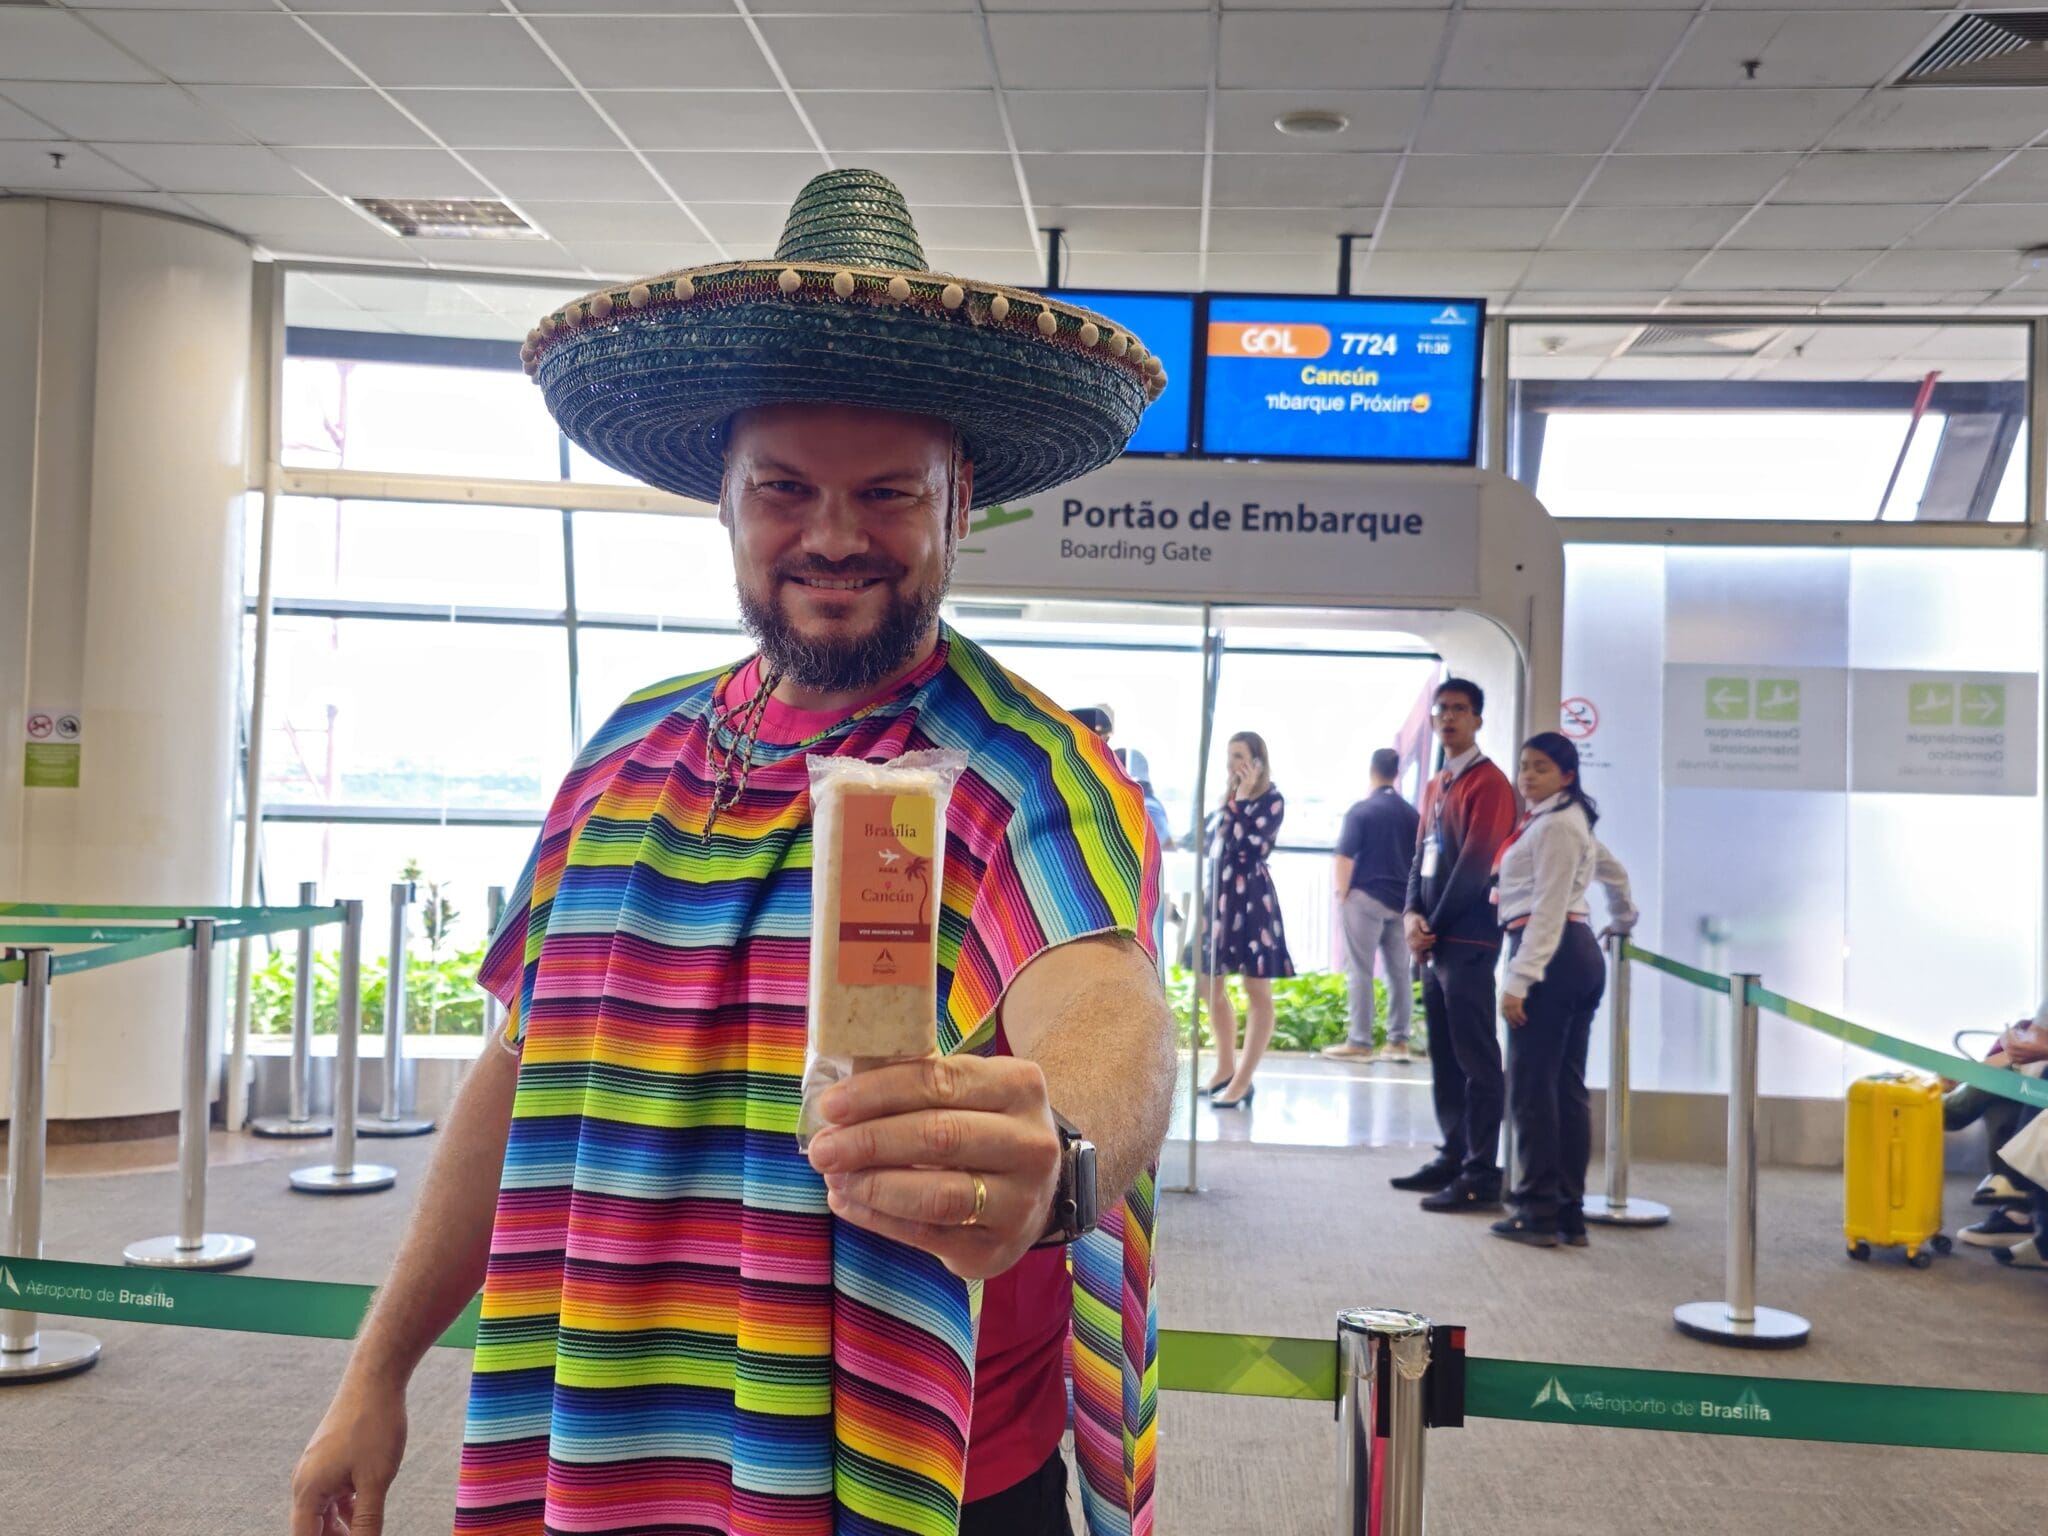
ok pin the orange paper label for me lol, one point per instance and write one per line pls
(886, 895)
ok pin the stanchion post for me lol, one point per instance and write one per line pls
(389, 1121)
(1382, 1359)
(1620, 1209)
(344, 1176)
(300, 1120)
(192, 1246)
(1739, 1320)
(494, 914)
(29, 1352)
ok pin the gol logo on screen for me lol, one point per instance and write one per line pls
(1262, 338)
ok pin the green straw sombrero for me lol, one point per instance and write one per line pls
(644, 376)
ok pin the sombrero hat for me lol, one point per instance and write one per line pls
(644, 376)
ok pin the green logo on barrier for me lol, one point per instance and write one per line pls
(1983, 703)
(1777, 698)
(4, 1275)
(1554, 1392)
(1930, 704)
(1727, 698)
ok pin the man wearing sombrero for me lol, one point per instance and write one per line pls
(688, 1325)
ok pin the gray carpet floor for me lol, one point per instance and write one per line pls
(182, 1431)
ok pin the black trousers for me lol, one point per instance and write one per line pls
(1553, 1116)
(1035, 1507)
(1464, 1055)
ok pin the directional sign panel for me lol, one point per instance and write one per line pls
(1945, 733)
(1728, 727)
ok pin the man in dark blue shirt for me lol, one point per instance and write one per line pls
(1374, 852)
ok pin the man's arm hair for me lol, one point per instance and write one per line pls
(1093, 1015)
(447, 1244)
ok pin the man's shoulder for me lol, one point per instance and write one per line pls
(631, 723)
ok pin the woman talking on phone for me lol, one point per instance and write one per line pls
(1245, 936)
(1555, 978)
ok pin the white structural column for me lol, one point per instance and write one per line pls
(124, 379)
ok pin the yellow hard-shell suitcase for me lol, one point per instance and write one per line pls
(1892, 1167)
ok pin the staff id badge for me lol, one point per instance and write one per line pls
(1430, 847)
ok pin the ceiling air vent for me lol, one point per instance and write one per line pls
(1996, 48)
(448, 218)
(1701, 341)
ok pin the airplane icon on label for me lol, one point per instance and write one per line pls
(889, 858)
(1777, 698)
(1450, 316)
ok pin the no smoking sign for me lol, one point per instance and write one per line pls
(1579, 718)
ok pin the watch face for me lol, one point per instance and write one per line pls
(1083, 1192)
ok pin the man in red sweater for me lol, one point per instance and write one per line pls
(1468, 811)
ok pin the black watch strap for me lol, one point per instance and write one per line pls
(1074, 1209)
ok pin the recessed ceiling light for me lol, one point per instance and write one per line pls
(1306, 125)
(448, 218)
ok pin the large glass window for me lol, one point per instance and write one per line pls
(1786, 421)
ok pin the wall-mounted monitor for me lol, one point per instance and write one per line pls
(1365, 379)
(1165, 323)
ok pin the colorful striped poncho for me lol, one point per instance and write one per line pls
(677, 1335)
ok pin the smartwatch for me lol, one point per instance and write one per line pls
(1074, 1209)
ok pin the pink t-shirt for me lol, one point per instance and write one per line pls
(785, 723)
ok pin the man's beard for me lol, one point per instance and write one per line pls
(843, 666)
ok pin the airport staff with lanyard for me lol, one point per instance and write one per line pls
(1555, 978)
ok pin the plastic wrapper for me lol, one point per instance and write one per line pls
(878, 866)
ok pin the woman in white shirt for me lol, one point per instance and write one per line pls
(1555, 978)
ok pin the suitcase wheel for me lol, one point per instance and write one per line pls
(1860, 1251)
(1924, 1259)
(1943, 1244)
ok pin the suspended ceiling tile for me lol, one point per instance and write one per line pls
(859, 122)
(982, 229)
(1671, 368)
(2022, 178)
(879, 52)
(490, 119)
(1494, 181)
(1777, 269)
(567, 175)
(26, 166)
(1959, 372)
(1937, 117)
(496, 255)
(1694, 122)
(1019, 268)
(1919, 270)
(17, 124)
(1051, 5)
(1445, 273)
(1986, 226)
(745, 228)
(1802, 47)
(1984, 343)
(1646, 229)
(491, 51)
(705, 119)
(659, 52)
(38, 44)
(1829, 226)
(1628, 181)
(313, 119)
(1302, 273)
(1116, 181)
(125, 114)
(575, 224)
(1586, 342)
(1866, 342)
(1301, 181)
(1617, 48)
(1592, 271)
(432, 173)
(1379, 120)
(626, 260)
(1881, 176)
(1539, 367)
(1109, 120)
(1451, 229)
(1122, 230)
(1524, 122)
(1248, 231)
(1310, 50)
(304, 222)
(209, 167)
(735, 178)
(1150, 270)
(225, 47)
(1101, 50)
(392, 7)
(972, 180)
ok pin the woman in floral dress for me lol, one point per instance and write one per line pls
(1245, 936)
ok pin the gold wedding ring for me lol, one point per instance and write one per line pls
(980, 1200)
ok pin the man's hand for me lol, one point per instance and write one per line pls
(339, 1484)
(905, 1145)
(1420, 939)
(1514, 1009)
(2025, 1046)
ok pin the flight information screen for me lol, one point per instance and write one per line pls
(1165, 323)
(1393, 380)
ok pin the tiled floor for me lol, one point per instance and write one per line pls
(1307, 1101)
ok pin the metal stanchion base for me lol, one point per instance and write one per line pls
(326, 1179)
(1709, 1322)
(57, 1353)
(1634, 1213)
(281, 1126)
(216, 1250)
(402, 1126)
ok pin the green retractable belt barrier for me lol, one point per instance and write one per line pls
(1246, 1365)
(1678, 968)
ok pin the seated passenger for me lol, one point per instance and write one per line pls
(2024, 1046)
